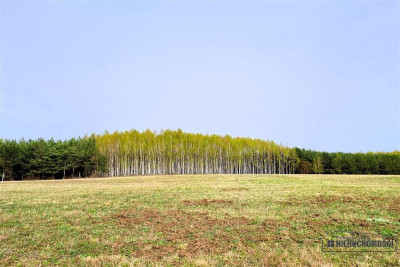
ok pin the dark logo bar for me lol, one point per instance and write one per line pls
(340, 241)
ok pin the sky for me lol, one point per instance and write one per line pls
(320, 75)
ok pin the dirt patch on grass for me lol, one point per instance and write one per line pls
(274, 224)
(390, 203)
(395, 205)
(235, 189)
(188, 234)
(326, 199)
(362, 223)
(156, 234)
(206, 202)
(318, 224)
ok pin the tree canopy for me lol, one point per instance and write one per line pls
(43, 159)
(176, 152)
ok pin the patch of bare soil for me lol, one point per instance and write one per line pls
(390, 203)
(188, 234)
(376, 202)
(324, 200)
(206, 202)
(235, 189)
(395, 205)
(361, 223)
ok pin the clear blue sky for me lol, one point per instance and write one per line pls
(317, 75)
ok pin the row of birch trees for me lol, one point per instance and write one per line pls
(177, 152)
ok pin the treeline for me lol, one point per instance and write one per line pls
(348, 163)
(43, 159)
(176, 152)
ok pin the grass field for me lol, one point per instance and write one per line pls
(198, 220)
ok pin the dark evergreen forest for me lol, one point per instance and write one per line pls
(176, 152)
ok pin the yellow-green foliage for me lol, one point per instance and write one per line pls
(176, 152)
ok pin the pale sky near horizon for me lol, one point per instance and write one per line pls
(320, 75)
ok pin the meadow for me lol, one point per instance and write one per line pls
(195, 220)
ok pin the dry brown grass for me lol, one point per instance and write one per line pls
(194, 220)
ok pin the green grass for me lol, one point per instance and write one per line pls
(195, 220)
